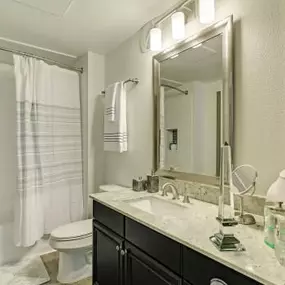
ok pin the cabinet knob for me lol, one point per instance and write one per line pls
(117, 248)
(123, 252)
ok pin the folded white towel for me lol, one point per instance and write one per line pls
(115, 132)
(110, 100)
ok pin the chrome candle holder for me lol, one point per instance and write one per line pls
(225, 240)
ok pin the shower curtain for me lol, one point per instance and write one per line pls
(49, 151)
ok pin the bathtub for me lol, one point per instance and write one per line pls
(9, 253)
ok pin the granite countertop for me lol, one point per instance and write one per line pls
(193, 230)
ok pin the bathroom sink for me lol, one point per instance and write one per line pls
(156, 206)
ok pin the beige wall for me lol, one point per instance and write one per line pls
(8, 157)
(127, 61)
(92, 83)
(259, 92)
(96, 83)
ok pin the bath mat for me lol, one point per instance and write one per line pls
(26, 272)
(50, 261)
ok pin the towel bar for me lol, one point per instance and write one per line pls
(133, 80)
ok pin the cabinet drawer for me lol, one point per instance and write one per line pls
(163, 249)
(140, 269)
(199, 269)
(109, 218)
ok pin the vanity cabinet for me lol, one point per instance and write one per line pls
(125, 252)
(202, 270)
(158, 246)
(107, 249)
(141, 269)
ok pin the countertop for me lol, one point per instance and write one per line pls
(194, 229)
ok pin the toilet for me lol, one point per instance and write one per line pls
(74, 244)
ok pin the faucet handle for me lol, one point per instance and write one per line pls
(186, 199)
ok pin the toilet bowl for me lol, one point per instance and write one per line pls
(74, 244)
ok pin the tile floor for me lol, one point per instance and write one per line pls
(50, 261)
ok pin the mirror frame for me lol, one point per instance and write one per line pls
(224, 28)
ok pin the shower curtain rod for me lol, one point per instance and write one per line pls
(48, 60)
(185, 92)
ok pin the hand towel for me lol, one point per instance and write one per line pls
(110, 101)
(115, 132)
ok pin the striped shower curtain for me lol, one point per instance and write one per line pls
(49, 152)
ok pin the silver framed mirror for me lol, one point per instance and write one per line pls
(193, 104)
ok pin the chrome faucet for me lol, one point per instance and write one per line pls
(173, 188)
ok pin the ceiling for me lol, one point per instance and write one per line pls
(203, 63)
(76, 26)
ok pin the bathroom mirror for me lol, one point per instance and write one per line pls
(193, 96)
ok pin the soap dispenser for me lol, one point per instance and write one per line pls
(139, 185)
(152, 182)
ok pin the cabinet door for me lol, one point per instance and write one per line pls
(107, 257)
(141, 269)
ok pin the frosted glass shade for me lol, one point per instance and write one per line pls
(276, 192)
(206, 11)
(178, 25)
(155, 39)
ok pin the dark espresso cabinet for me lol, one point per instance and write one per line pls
(109, 261)
(140, 269)
(126, 252)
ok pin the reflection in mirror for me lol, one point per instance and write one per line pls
(191, 86)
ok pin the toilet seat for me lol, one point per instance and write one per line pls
(75, 235)
(73, 231)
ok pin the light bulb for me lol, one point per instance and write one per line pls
(155, 39)
(206, 11)
(178, 25)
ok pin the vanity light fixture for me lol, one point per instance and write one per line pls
(151, 35)
(206, 11)
(155, 39)
(178, 25)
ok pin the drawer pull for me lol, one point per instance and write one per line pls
(117, 248)
(217, 281)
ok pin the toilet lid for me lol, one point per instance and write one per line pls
(76, 230)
